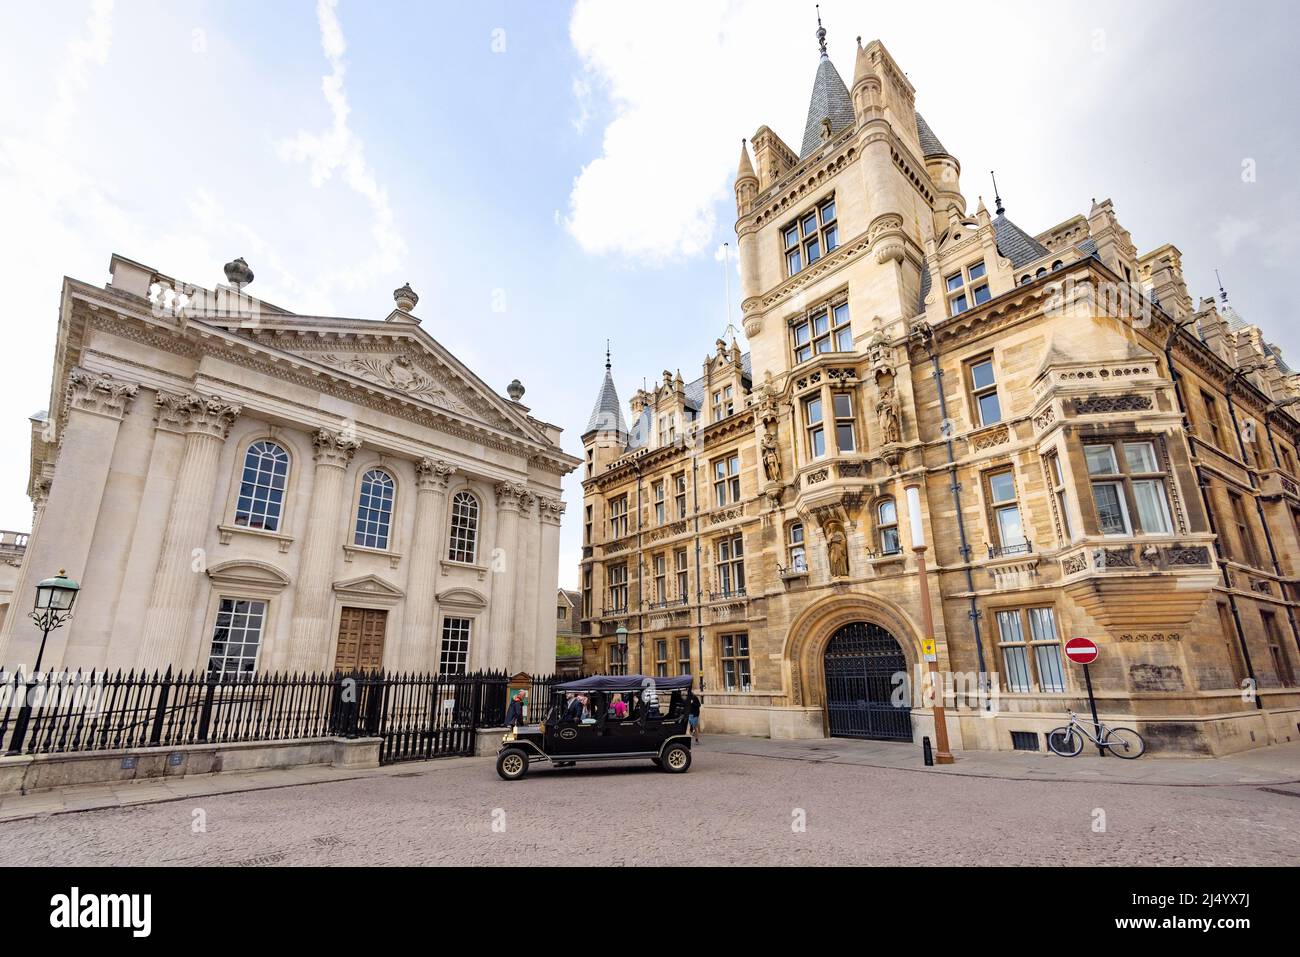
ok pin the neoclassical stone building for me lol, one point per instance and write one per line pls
(241, 488)
(1096, 454)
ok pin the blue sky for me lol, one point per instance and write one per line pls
(549, 175)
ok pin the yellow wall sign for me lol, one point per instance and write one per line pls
(927, 649)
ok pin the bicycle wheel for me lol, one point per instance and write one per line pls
(1065, 741)
(1124, 743)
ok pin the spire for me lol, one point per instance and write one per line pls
(996, 198)
(746, 168)
(607, 413)
(830, 102)
(1223, 293)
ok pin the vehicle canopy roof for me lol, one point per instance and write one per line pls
(612, 683)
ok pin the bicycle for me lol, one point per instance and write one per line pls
(1122, 742)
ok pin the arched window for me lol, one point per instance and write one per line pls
(261, 490)
(464, 528)
(887, 526)
(374, 510)
(798, 555)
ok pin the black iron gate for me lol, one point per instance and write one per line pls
(862, 661)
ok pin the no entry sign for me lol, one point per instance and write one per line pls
(1082, 651)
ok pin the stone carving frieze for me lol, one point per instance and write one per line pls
(400, 373)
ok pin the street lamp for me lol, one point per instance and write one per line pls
(54, 600)
(620, 634)
(942, 754)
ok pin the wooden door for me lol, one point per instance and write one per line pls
(361, 639)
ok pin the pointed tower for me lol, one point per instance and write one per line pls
(605, 437)
(746, 183)
(830, 109)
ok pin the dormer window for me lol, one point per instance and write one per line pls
(967, 288)
(810, 237)
(667, 429)
(724, 403)
(824, 330)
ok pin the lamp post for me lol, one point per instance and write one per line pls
(942, 754)
(54, 600)
(621, 636)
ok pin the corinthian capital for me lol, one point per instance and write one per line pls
(99, 392)
(433, 473)
(334, 448)
(210, 415)
(550, 509)
(511, 495)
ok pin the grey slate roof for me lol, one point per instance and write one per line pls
(639, 435)
(930, 145)
(830, 99)
(607, 414)
(1015, 244)
(1272, 350)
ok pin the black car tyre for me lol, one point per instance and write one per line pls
(676, 758)
(512, 764)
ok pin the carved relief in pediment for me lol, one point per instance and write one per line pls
(401, 373)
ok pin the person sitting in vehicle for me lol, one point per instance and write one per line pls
(574, 711)
(618, 707)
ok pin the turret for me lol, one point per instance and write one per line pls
(746, 183)
(605, 438)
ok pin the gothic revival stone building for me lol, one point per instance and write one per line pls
(1096, 455)
(242, 488)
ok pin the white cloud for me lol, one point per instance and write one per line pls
(340, 148)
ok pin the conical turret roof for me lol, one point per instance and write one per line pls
(607, 414)
(830, 100)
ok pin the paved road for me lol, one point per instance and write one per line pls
(729, 809)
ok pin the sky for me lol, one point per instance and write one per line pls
(549, 175)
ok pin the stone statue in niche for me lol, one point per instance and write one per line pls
(771, 457)
(888, 412)
(837, 550)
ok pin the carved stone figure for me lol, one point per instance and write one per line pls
(837, 551)
(771, 457)
(888, 413)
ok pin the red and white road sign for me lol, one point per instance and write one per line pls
(1082, 651)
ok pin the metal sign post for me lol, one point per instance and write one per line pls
(1083, 651)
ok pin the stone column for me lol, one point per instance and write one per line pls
(551, 510)
(519, 651)
(166, 639)
(313, 604)
(420, 641)
(504, 570)
(65, 503)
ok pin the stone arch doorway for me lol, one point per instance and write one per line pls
(861, 663)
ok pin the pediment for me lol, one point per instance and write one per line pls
(247, 572)
(369, 586)
(399, 358)
(462, 598)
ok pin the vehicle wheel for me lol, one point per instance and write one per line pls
(1065, 741)
(1124, 743)
(676, 758)
(512, 764)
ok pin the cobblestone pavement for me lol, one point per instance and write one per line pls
(729, 809)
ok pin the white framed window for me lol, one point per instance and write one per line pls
(734, 654)
(1061, 497)
(731, 565)
(683, 574)
(845, 436)
(811, 236)
(660, 562)
(726, 480)
(966, 288)
(1128, 481)
(661, 506)
(374, 510)
(825, 329)
(667, 429)
(463, 545)
(617, 659)
(661, 657)
(724, 403)
(1005, 508)
(814, 427)
(236, 638)
(261, 487)
(618, 517)
(1031, 650)
(887, 527)
(984, 391)
(616, 586)
(679, 493)
(683, 656)
(453, 659)
(798, 553)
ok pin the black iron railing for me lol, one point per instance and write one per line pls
(1022, 548)
(416, 715)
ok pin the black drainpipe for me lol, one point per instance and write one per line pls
(955, 488)
(699, 581)
(1192, 442)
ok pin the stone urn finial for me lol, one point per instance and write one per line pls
(405, 298)
(238, 273)
(515, 390)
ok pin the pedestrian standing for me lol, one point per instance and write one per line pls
(693, 705)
